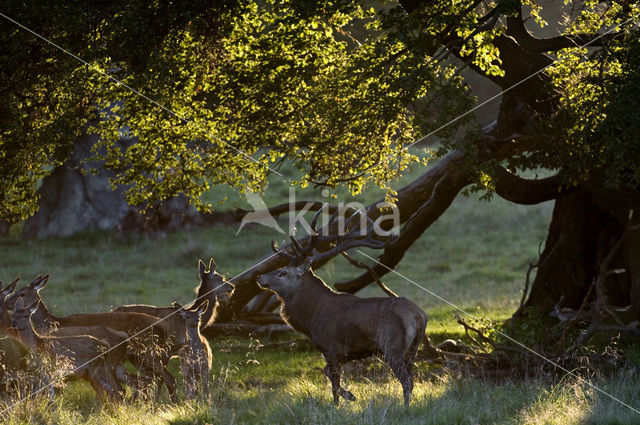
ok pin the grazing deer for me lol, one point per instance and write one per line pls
(88, 357)
(147, 336)
(196, 356)
(342, 326)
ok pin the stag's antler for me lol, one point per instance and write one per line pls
(294, 260)
(353, 237)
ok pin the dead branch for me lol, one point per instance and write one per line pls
(483, 337)
(599, 310)
(372, 272)
(526, 288)
(236, 216)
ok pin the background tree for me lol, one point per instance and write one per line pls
(342, 90)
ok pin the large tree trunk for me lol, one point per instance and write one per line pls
(580, 235)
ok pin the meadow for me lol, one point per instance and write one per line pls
(475, 256)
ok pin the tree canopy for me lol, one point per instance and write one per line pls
(339, 88)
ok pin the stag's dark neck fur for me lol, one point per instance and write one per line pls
(300, 306)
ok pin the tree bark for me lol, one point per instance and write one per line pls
(581, 233)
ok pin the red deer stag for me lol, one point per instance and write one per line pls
(342, 326)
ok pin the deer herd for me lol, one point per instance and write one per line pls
(97, 346)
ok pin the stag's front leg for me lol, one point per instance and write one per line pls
(332, 371)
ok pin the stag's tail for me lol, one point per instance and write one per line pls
(420, 327)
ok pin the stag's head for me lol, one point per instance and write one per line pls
(214, 283)
(29, 293)
(286, 279)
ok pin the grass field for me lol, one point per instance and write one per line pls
(475, 257)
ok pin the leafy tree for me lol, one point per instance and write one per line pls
(342, 89)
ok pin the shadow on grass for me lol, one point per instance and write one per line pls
(289, 388)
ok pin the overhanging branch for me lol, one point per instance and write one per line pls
(517, 30)
(523, 191)
(442, 195)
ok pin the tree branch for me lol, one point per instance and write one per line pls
(517, 30)
(442, 195)
(522, 191)
(372, 273)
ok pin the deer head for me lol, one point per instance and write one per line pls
(301, 258)
(192, 316)
(29, 293)
(22, 314)
(213, 283)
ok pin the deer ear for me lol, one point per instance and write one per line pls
(176, 305)
(202, 307)
(201, 268)
(212, 265)
(19, 304)
(9, 288)
(12, 286)
(38, 286)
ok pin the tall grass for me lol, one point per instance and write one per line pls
(475, 256)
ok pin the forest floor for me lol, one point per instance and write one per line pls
(475, 257)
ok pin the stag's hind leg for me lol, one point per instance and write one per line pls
(402, 367)
(401, 360)
(404, 372)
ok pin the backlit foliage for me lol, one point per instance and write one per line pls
(337, 88)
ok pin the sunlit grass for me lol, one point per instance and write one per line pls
(475, 256)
